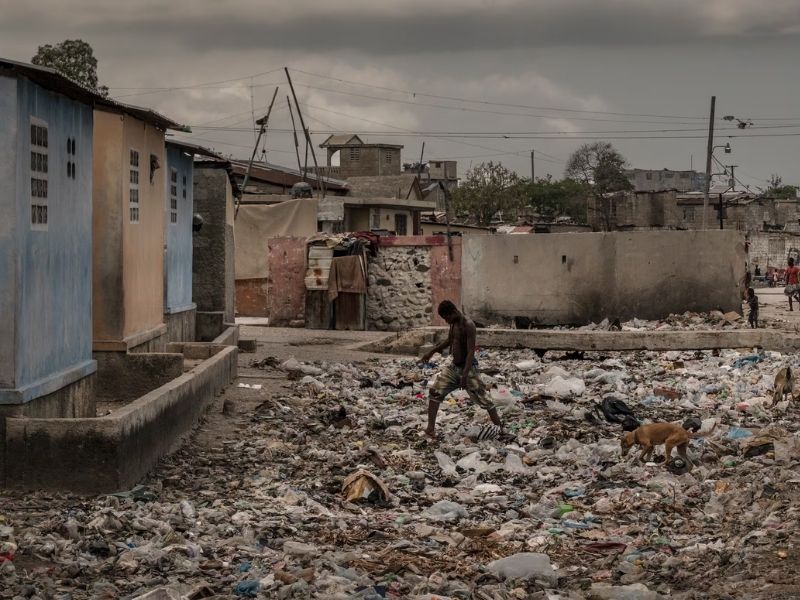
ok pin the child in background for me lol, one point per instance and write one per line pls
(752, 301)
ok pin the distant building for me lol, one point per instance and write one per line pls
(355, 158)
(437, 177)
(269, 178)
(659, 180)
(46, 365)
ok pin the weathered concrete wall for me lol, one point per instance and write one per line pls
(445, 276)
(287, 271)
(73, 401)
(45, 274)
(113, 452)
(181, 326)
(213, 286)
(122, 377)
(772, 250)
(578, 278)
(179, 211)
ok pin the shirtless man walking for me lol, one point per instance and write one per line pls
(463, 372)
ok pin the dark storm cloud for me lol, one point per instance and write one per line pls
(435, 27)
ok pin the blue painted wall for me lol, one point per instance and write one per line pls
(178, 257)
(53, 303)
(8, 230)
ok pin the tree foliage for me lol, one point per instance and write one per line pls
(600, 167)
(488, 189)
(777, 189)
(74, 59)
(555, 198)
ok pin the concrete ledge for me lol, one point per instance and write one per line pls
(130, 342)
(195, 350)
(48, 385)
(631, 340)
(229, 337)
(112, 453)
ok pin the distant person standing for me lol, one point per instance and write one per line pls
(791, 281)
(752, 302)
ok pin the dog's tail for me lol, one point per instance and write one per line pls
(702, 434)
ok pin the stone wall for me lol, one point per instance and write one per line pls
(399, 294)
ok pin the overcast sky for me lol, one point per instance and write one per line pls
(409, 70)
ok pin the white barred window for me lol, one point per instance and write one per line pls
(133, 198)
(39, 177)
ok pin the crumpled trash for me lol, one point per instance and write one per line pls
(524, 565)
(445, 510)
(364, 486)
(558, 387)
(247, 589)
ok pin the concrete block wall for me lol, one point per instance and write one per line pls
(772, 250)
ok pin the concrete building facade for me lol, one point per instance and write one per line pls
(355, 158)
(128, 230)
(179, 310)
(659, 180)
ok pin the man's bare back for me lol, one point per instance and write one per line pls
(460, 332)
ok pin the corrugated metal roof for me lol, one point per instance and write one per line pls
(286, 176)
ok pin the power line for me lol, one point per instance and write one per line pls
(197, 85)
(491, 103)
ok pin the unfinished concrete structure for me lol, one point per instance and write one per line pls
(349, 156)
(659, 180)
(213, 276)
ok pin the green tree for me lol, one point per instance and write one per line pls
(601, 168)
(488, 189)
(555, 198)
(777, 189)
(74, 59)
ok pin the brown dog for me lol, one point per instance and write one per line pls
(784, 384)
(654, 434)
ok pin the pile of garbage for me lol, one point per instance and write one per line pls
(332, 491)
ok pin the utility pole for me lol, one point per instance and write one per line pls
(296, 143)
(533, 171)
(262, 123)
(320, 178)
(709, 152)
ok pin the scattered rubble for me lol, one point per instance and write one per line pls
(331, 491)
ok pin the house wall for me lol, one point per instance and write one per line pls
(356, 219)
(579, 278)
(772, 249)
(213, 285)
(107, 213)
(51, 301)
(178, 280)
(8, 228)
(143, 242)
(371, 161)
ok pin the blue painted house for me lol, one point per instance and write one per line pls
(179, 310)
(46, 125)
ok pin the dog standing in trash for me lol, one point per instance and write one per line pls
(655, 434)
(784, 384)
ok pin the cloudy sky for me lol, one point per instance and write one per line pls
(476, 80)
